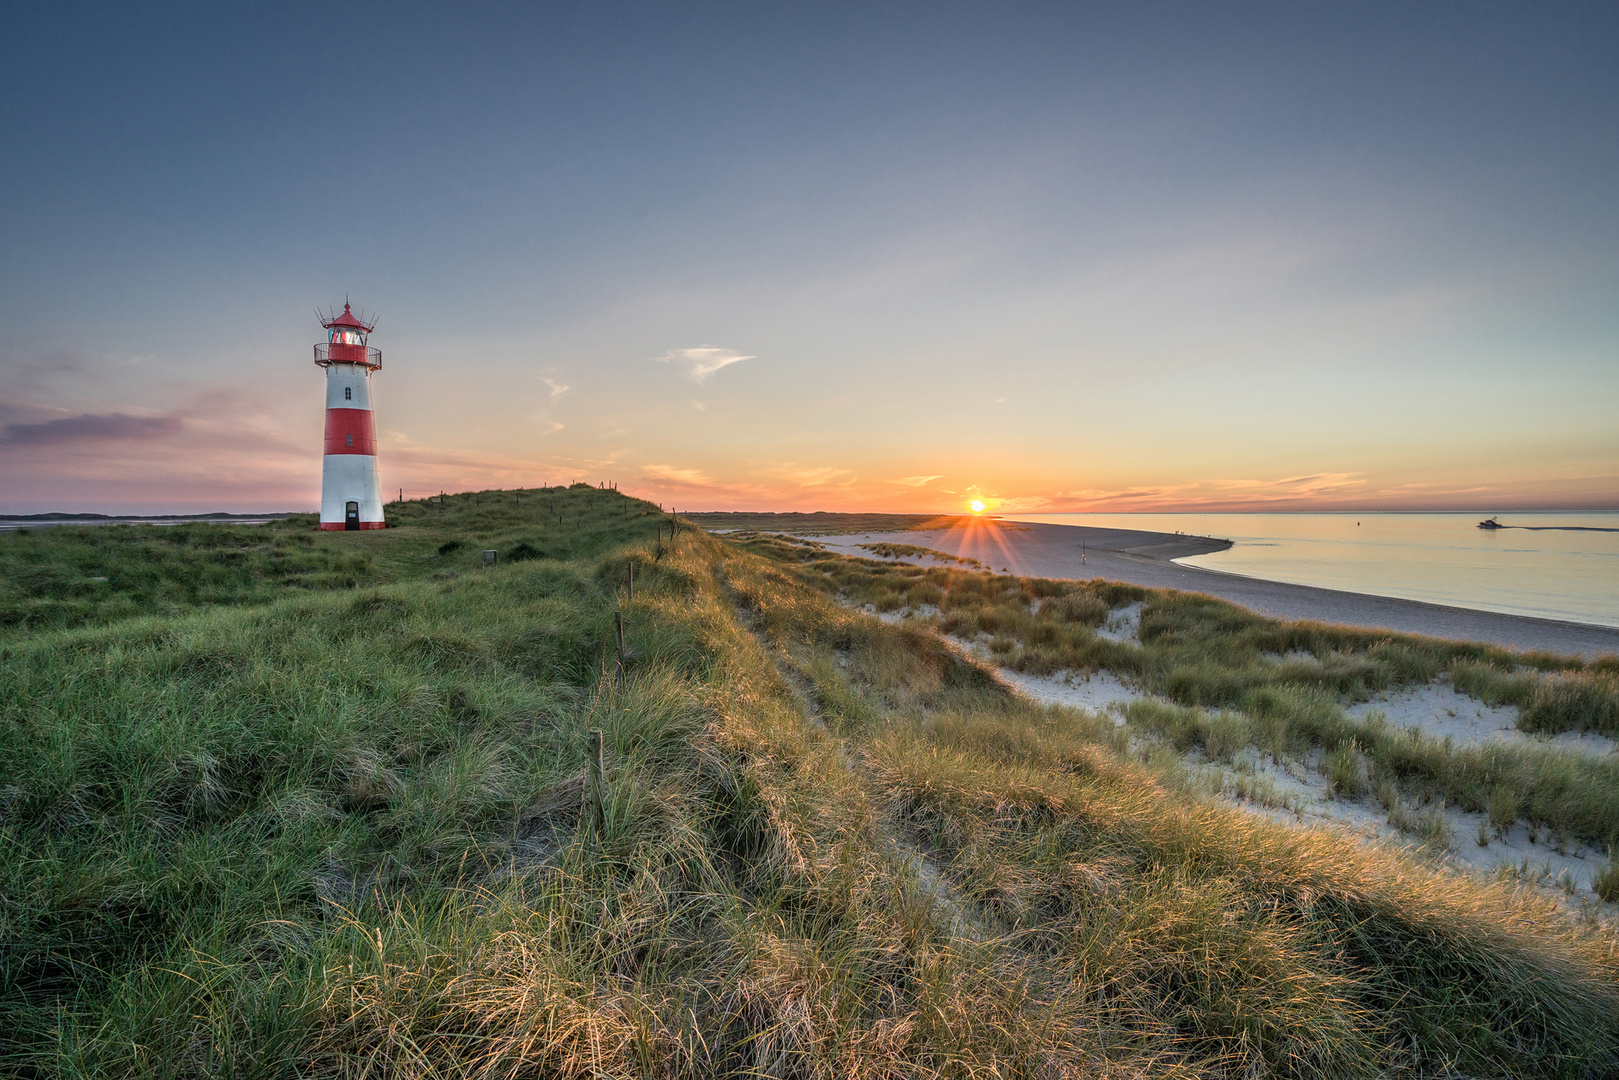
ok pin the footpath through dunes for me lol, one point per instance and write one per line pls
(355, 831)
(1080, 552)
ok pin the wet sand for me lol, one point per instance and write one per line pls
(1143, 558)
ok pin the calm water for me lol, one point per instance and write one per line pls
(1441, 558)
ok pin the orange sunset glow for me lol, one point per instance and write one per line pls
(950, 280)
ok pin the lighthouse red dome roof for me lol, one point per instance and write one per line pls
(347, 321)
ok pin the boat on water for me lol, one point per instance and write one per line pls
(1490, 523)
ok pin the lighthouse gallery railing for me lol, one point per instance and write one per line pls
(327, 354)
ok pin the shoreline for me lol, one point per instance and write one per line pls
(1547, 619)
(1082, 552)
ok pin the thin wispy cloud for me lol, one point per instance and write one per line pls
(1024, 504)
(918, 481)
(813, 476)
(700, 363)
(671, 475)
(557, 388)
(1292, 487)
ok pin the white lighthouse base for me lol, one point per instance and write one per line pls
(350, 478)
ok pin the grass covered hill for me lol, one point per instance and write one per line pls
(821, 523)
(312, 828)
(64, 576)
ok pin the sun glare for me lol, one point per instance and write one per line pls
(978, 506)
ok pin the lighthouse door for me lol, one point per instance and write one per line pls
(351, 516)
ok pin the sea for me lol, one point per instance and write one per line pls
(1549, 565)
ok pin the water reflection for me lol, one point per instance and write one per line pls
(1565, 567)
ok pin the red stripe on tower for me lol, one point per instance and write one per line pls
(350, 431)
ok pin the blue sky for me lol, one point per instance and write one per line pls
(1058, 257)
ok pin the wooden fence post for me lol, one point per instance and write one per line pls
(595, 796)
(618, 644)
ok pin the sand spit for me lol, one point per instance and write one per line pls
(1080, 552)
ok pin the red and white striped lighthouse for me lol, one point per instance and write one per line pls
(349, 496)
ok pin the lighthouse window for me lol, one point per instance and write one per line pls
(348, 393)
(351, 438)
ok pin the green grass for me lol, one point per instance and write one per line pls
(68, 576)
(339, 832)
(72, 575)
(1606, 883)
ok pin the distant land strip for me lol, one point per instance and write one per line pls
(218, 516)
(23, 522)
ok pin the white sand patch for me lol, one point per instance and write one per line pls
(975, 647)
(1096, 691)
(924, 612)
(1289, 790)
(1299, 792)
(1540, 861)
(1437, 709)
(1123, 625)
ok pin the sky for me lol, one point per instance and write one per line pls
(1063, 257)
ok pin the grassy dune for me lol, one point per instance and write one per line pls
(822, 523)
(1233, 679)
(338, 831)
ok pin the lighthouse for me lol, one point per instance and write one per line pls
(349, 496)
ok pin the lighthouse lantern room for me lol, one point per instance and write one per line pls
(349, 496)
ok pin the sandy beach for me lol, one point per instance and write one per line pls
(1144, 558)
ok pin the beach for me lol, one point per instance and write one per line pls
(1145, 558)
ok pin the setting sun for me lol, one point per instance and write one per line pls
(978, 506)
